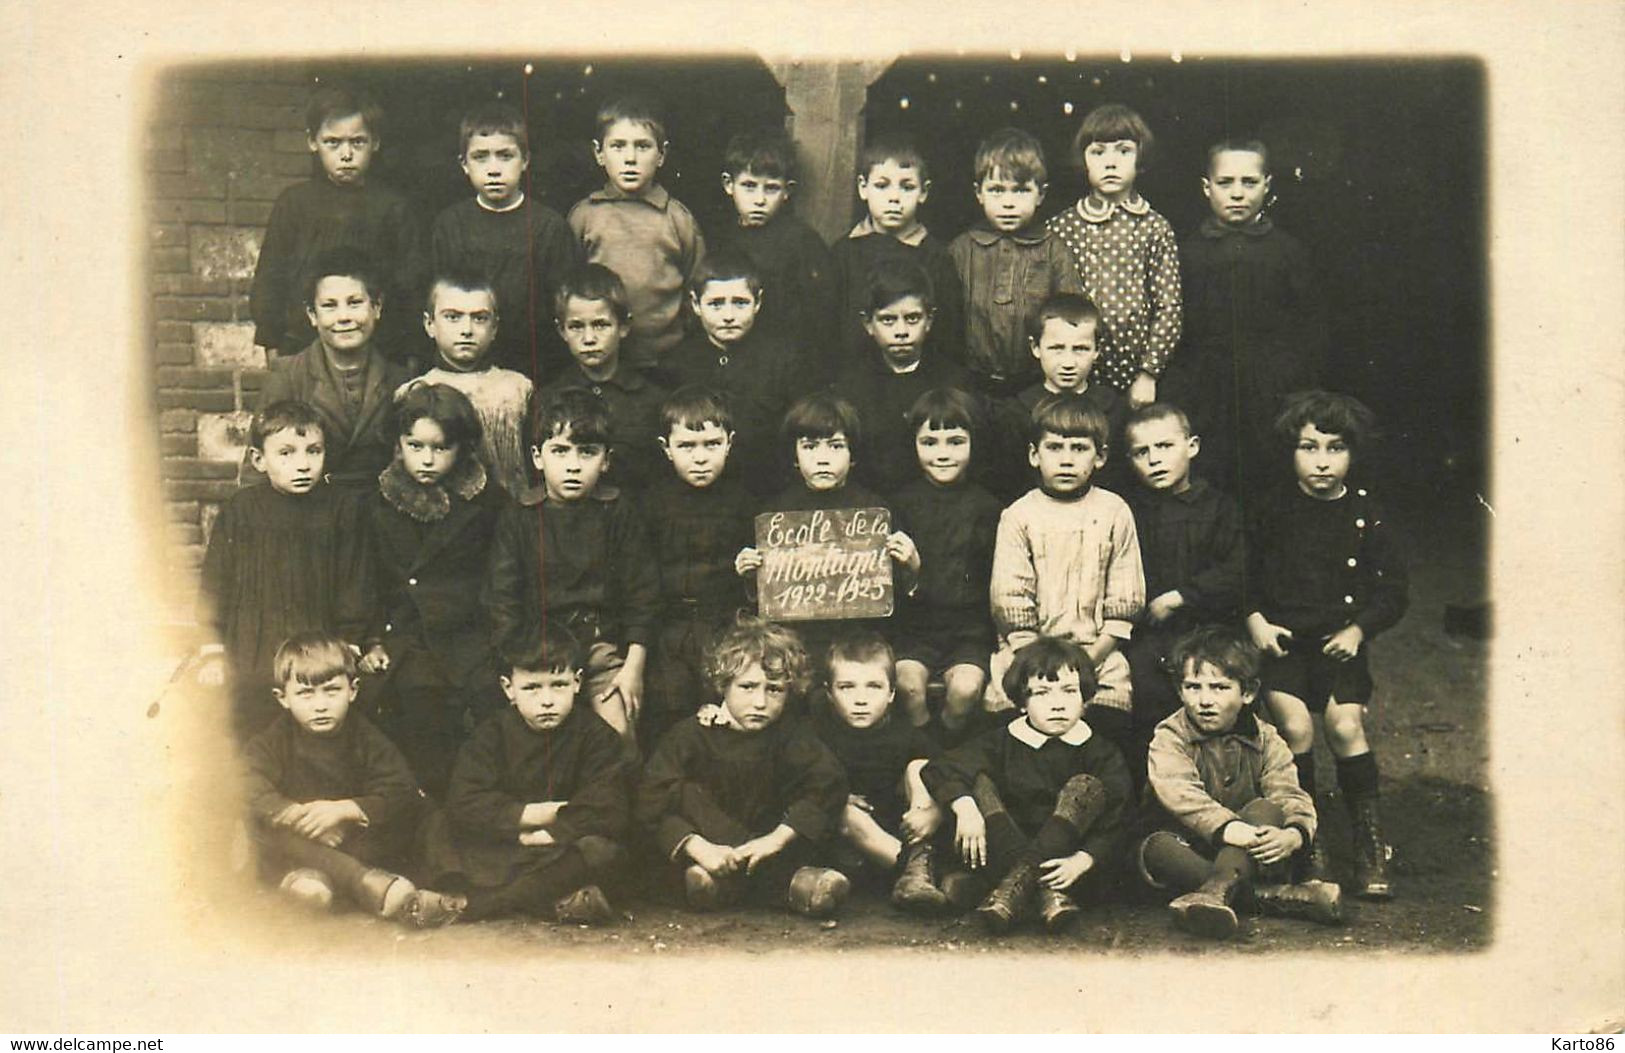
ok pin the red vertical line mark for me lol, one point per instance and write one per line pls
(535, 353)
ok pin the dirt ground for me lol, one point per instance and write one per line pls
(1428, 727)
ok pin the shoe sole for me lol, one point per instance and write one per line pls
(994, 921)
(1203, 919)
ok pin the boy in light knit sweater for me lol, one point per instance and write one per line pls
(1066, 561)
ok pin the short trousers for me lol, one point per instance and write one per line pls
(1114, 686)
(1316, 678)
(941, 647)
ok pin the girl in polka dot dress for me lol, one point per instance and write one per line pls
(1125, 253)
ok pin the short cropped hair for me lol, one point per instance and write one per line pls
(763, 151)
(891, 280)
(287, 413)
(1159, 411)
(944, 408)
(1069, 416)
(593, 281)
(1071, 308)
(894, 147)
(863, 646)
(1250, 146)
(725, 265)
(694, 406)
(820, 416)
(331, 101)
(573, 412)
(1110, 123)
(467, 274)
(344, 262)
(444, 405)
(633, 108)
(1044, 659)
(753, 640)
(546, 648)
(1014, 154)
(493, 118)
(1222, 647)
(1329, 411)
(312, 658)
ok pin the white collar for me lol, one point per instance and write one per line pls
(498, 211)
(1028, 735)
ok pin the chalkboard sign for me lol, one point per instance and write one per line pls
(828, 563)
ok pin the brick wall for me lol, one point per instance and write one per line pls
(220, 146)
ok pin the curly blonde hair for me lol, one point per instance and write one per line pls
(756, 640)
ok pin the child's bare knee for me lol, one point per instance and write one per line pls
(1345, 724)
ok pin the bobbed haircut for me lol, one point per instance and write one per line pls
(1110, 123)
(635, 108)
(1014, 154)
(331, 101)
(753, 640)
(1159, 411)
(343, 262)
(287, 413)
(1069, 416)
(465, 273)
(493, 118)
(1044, 659)
(762, 151)
(1071, 308)
(896, 147)
(312, 658)
(593, 281)
(864, 646)
(444, 405)
(545, 648)
(1329, 411)
(695, 406)
(1222, 647)
(1248, 146)
(575, 413)
(944, 408)
(892, 280)
(822, 415)
(725, 265)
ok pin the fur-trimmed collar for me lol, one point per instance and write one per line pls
(431, 503)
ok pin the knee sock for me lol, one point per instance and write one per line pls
(1357, 777)
(1305, 763)
(1174, 865)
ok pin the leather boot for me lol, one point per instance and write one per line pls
(1210, 910)
(585, 906)
(386, 895)
(430, 909)
(1317, 901)
(1011, 900)
(959, 888)
(1057, 909)
(817, 892)
(1371, 852)
(914, 890)
(1313, 865)
(308, 887)
(705, 892)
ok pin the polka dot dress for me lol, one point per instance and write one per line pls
(1128, 261)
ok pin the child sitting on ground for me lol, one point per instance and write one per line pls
(1007, 263)
(1326, 575)
(429, 526)
(636, 229)
(462, 317)
(790, 259)
(576, 553)
(1194, 557)
(740, 799)
(1041, 804)
(332, 805)
(944, 629)
(699, 517)
(538, 804)
(889, 817)
(285, 556)
(1124, 251)
(594, 318)
(1226, 792)
(1067, 561)
(522, 244)
(341, 374)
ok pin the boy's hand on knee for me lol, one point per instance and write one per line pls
(1241, 834)
(289, 815)
(749, 561)
(376, 660)
(1345, 643)
(920, 822)
(321, 818)
(1064, 871)
(628, 684)
(1267, 637)
(1274, 844)
(970, 833)
(713, 858)
(760, 849)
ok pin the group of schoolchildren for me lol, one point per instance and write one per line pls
(486, 627)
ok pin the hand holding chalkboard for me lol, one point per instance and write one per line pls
(824, 564)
